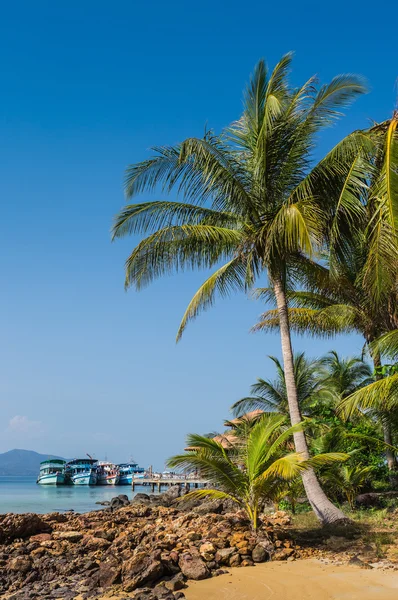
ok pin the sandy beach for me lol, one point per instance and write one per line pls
(299, 580)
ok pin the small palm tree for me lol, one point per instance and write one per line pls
(254, 469)
(271, 396)
(347, 480)
(345, 375)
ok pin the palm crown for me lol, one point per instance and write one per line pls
(252, 199)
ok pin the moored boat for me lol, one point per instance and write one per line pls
(82, 471)
(107, 473)
(52, 472)
(129, 470)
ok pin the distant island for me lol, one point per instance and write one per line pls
(22, 462)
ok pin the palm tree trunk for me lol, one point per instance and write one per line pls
(326, 512)
(387, 436)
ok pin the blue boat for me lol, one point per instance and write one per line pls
(129, 470)
(82, 471)
(52, 472)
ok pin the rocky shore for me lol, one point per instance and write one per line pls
(147, 549)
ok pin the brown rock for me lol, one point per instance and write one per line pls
(176, 583)
(193, 567)
(223, 555)
(13, 526)
(260, 554)
(234, 561)
(21, 564)
(109, 573)
(95, 543)
(40, 537)
(70, 536)
(140, 570)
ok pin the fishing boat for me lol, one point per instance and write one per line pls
(52, 472)
(82, 471)
(107, 473)
(129, 470)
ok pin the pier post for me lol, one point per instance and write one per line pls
(133, 483)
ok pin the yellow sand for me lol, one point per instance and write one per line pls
(299, 580)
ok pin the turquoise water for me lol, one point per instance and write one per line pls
(22, 494)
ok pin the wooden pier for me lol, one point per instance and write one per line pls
(167, 481)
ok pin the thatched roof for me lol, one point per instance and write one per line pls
(247, 417)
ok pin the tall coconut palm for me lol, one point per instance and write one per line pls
(252, 201)
(252, 470)
(271, 396)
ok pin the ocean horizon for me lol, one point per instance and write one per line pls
(21, 494)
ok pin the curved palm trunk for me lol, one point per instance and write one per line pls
(326, 512)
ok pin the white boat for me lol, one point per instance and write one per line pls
(107, 473)
(52, 472)
(128, 471)
(82, 471)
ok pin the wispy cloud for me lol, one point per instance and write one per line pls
(21, 424)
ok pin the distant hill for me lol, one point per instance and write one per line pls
(22, 462)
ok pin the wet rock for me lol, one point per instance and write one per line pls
(193, 567)
(141, 498)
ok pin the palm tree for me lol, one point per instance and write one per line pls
(345, 375)
(347, 480)
(252, 202)
(253, 470)
(271, 396)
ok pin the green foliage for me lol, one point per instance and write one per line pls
(347, 481)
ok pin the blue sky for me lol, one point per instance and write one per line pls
(86, 88)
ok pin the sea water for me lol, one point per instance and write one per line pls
(23, 494)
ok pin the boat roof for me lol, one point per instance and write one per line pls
(131, 464)
(82, 461)
(56, 461)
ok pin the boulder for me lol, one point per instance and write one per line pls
(176, 583)
(141, 499)
(224, 554)
(193, 567)
(109, 573)
(140, 570)
(13, 527)
(260, 554)
(209, 507)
